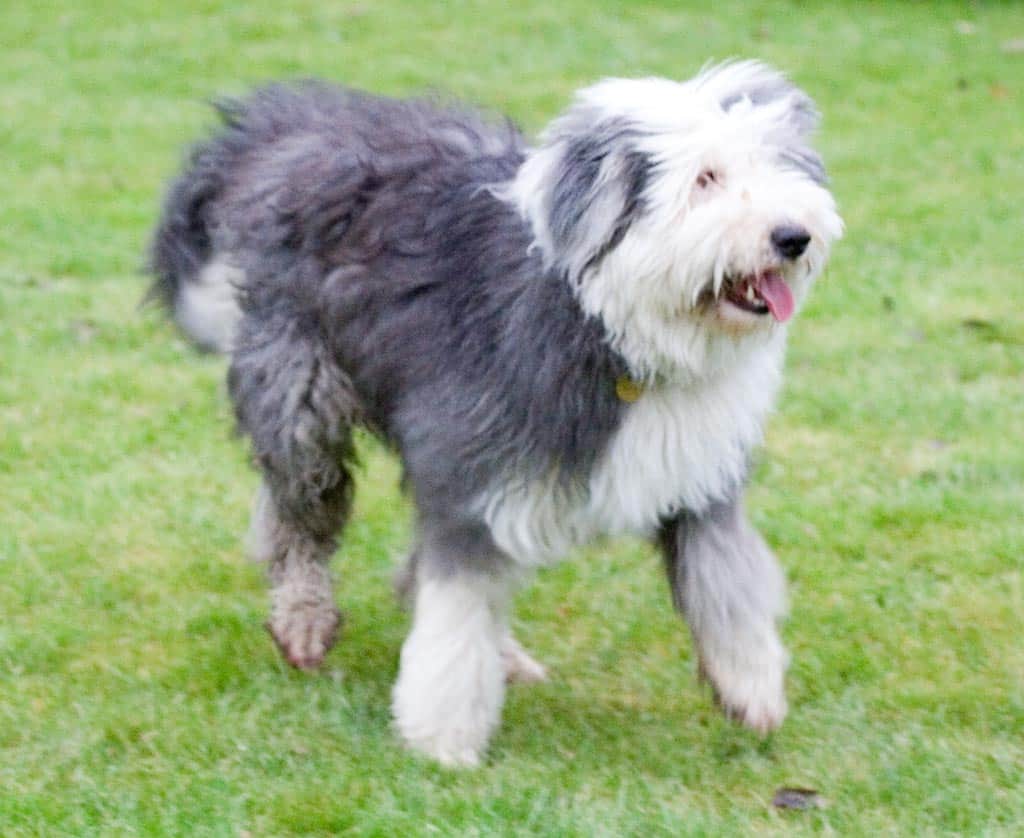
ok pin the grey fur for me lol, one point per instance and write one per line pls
(386, 282)
(727, 583)
(598, 192)
(802, 120)
(806, 160)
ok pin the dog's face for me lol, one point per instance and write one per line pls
(688, 216)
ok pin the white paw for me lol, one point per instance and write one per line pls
(749, 690)
(451, 682)
(446, 750)
(452, 730)
(519, 667)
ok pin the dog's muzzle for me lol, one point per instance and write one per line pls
(761, 293)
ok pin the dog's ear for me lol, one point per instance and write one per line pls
(582, 189)
(596, 194)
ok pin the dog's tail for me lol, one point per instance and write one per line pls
(197, 286)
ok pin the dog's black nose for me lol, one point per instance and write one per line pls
(790, 240)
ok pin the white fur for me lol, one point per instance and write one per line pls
(748, 674)
(710, 374)
(451, 683)
(207, 309)
(681, 445)
(712, 370)
(648, 288)
(519, 665)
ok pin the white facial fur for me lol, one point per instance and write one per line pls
(652, 288)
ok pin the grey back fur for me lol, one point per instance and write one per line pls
(377, 258)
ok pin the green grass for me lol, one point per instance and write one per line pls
(138, 692)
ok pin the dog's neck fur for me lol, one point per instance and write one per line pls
(683, 443)
(678, 447)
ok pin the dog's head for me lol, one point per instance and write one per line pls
(684, 214)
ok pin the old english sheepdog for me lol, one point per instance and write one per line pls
(578, 337)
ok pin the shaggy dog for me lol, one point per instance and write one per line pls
(564, 340)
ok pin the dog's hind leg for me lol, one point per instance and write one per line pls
(519, 665)
(729, 586)
(298, 407)
(304, 621)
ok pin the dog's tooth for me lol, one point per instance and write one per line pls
(751, 297)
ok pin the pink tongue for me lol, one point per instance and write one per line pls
(776, 294)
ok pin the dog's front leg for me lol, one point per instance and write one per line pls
(451, 682)
(728, 584)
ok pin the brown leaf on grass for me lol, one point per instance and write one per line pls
(979, 324)
(797, 798)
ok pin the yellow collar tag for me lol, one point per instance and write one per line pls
(627, 389)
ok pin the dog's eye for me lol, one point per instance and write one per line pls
(706, 178)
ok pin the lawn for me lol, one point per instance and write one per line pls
(139, 693)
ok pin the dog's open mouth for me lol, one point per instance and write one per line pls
(760, 294)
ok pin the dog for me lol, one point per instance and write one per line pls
(563, 340)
